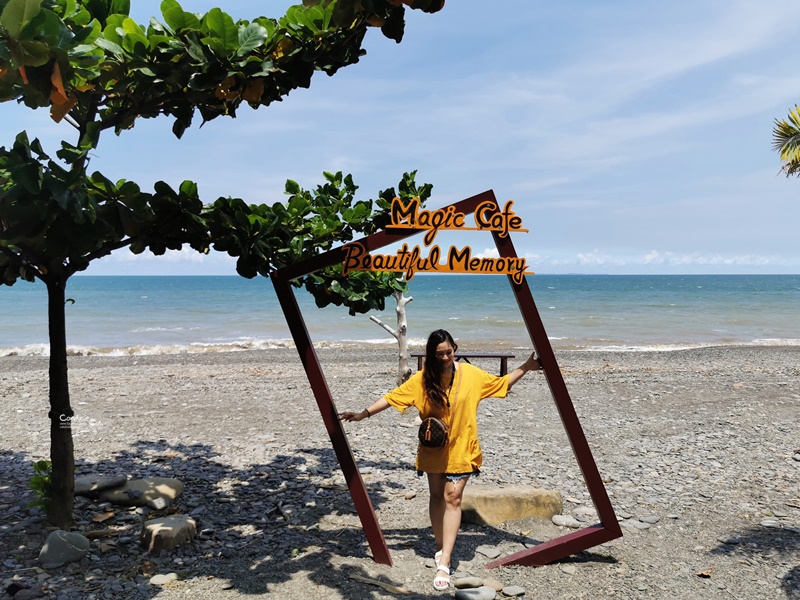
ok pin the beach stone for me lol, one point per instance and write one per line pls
(493, 583)
(636, 524)
(729, 540)
(64, 547)
(158, 503)
(584, 513)
(489, 552)
(486, 505)
(566, 521)
(143, 492)
(650, 519)
(467, 582)
(167, 532)
(163, 579)
(772, 523)
(481, 593)
(86, 485)
(29, 594)
(513, 590)
(14, 587)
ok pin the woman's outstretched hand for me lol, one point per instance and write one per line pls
(351, 416)
(533, 363)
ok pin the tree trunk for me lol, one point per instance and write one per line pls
(400, 334)
(403, 369)
(61, 446)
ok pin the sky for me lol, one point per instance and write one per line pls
(633, 138)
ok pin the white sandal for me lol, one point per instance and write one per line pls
(437, 556)
(441, 582)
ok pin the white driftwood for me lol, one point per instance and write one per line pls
(400, 334)
(392, 589)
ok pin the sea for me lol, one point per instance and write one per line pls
(130, 315)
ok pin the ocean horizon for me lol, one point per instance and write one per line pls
(124, 315)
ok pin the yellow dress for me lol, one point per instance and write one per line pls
(462, 453)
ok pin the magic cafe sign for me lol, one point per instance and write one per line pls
(454, 260)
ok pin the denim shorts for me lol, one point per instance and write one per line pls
(455, 477)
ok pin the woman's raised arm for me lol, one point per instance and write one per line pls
(532, 364)
(374, 409)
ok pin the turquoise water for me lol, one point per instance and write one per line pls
(137, 315)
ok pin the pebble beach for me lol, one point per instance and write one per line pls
(699, 450)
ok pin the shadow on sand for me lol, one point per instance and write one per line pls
(760, 543)
(259, 525)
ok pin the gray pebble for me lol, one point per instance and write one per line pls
(481, 593)
(163, 579)
(467, 582)
(651, 519)
(489, 552)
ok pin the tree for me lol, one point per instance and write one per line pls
(95, 68)
(786, 141)
(399, 333)
(408, 190)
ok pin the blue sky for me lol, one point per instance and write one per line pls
(633, 137)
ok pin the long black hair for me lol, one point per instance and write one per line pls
(432, 373)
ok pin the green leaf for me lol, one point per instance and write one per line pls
(786, 141)
(106, 44)
(120, 7)
(99, 9)
(134, 40)
(292, 187)
(250, 38)
(17, 14)
(189, 189)
(35, 53)
(221, 26)
(177, 19)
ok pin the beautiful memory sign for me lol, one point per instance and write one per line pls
(411, 261)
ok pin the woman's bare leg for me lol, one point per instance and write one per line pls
(445, 512)
(436, 506)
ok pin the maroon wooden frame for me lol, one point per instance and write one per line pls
(547, 552)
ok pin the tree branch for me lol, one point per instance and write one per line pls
(18, 261)
(375, 319)
(100, 252)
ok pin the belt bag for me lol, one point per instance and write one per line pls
(433, 433)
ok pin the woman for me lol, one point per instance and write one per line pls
(450, 391)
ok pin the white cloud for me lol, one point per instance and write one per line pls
(615, 127)
(703, 259)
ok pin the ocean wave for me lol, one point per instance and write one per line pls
(674, 346)
(558, 343)
(776, 342)
(198, 348)
(645, 348)
(154, 349)
(162, 329)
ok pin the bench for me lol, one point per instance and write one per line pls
(465, 356)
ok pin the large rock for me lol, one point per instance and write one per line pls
(156, 492)
(481, 593)
(486, 505)
(167, 532)
(64, 547)
(90, 485)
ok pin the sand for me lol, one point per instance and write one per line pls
(703, 442)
